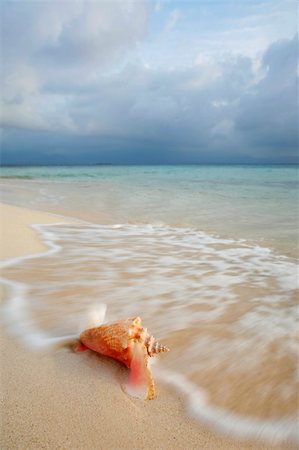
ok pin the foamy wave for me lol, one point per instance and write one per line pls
(274, 431)
(16, 309)
(182, 281)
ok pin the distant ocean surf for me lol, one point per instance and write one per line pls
(206, 255)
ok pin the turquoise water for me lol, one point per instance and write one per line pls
(256, 203)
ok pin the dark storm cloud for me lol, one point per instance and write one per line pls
(72, 93)
(268, 114)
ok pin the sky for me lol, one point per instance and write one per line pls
(149, 82)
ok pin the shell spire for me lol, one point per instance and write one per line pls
(154, 347)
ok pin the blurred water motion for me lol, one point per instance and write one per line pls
(226, 309)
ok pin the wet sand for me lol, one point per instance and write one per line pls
(75, 401)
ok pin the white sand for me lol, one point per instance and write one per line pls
(75, 401)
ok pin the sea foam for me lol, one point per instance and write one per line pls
(179, 279)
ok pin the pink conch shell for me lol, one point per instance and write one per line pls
(128, 342)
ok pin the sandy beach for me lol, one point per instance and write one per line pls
(70, 401)
(149, 213)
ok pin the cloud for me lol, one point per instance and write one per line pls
(76, 32)
(43, 45)
(268, 113)
(75, 76)
(96, 35)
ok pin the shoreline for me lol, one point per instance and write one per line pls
(200, 206)
(71, 401)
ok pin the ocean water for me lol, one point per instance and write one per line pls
(257, 203)
(207, 256)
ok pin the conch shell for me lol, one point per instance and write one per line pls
(131, 344)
